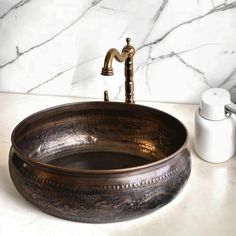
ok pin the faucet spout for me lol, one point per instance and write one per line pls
(107, 69)
(125, 56)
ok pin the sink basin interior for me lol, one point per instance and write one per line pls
(99, 160)
(99, 136)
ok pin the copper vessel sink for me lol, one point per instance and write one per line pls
(99, 162)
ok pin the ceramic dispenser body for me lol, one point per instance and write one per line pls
(215, 133)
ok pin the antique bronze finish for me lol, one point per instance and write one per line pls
(126, 55)
(99, 161)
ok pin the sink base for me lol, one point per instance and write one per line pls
(127, 198)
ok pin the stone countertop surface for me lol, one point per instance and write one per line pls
(206, 206)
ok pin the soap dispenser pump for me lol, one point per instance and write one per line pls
(215, 132)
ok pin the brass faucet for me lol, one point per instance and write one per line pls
(126, 55)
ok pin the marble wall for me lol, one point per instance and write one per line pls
(58, 47)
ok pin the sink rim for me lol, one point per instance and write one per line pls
(59, 169)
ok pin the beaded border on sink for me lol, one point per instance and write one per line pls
(27, 174)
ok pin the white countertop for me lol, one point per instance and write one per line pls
(206, 206)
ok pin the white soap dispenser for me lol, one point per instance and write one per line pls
(215, 132)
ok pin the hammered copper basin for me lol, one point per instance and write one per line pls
(98, 161)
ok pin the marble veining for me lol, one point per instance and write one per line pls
(58, 47)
